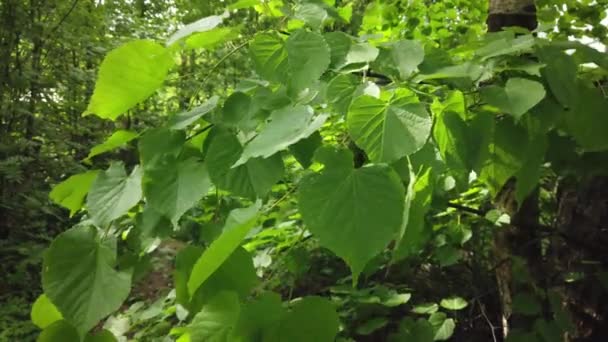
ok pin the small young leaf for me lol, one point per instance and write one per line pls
(116, 140)
(71, 192)
(44, 313)
(454, 303)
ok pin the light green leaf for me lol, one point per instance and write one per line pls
(443, 326)
(365, 204)
(127, 76)
(311, 319)
(238, 224)
(454, 303)
(243, 4)
(506, 44)
(468, 70)
(113, 193)
(217, 319)
(310, 13)
(388, 132)
(44, 313)
(212, 38)
(59, 331)
(116, 140)
(252, 179)
(71, 192)
(517, 98)
(425, 308)
(78, 276)
(400, 58)
(174, 186)
(201, 25)
(287, 126)
(185, 119)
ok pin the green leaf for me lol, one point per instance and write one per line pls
(451, 134)
(174, 186)
(113, 193)
(78, 276)
(419, 197)
(425, 308)
(311, 319)
(308, 59)
(157, 143)
(297, 62)
(409, 330)
(252, 179)
(269, 56)
(388, 132)
(587, 122)
(236, 109)
(340, 91)
(517, 98)
(287, 126)
(304, 150)
(260, 318)
(526, 304)
(71, 192)
(443, 326)
(503, 157)
(185, 119)
(238, 224)
(116, 140)
(339, 43)
(217, 319)
(560, 73)
(103, 336)
(365, 204)
(454, 303)
(127, 76)
(59, 331)
(529, 174)
(400, 58)
(44, 313)
(201, 25)
(467, 70)
(372, 325)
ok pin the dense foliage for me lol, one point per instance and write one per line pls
(335, 170)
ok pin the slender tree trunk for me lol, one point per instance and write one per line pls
(519, 239)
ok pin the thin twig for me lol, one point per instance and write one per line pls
(202, 130)
(65, 16)
(213, 68)
(483, 313)
(466, 209)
